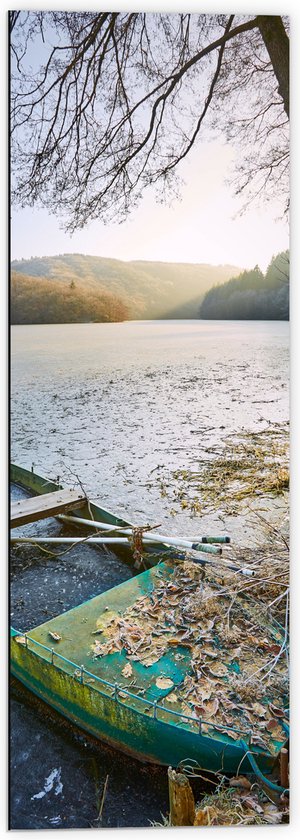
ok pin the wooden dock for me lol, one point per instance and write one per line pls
(48, 504)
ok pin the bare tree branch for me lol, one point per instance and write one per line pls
(121, 99)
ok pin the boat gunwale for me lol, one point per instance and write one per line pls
(116, 688)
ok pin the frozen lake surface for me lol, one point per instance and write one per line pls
(117, 404)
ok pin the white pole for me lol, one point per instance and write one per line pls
(103, 540)
(146, 537)
(114, 541)
(71, 540)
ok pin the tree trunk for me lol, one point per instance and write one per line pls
(277, 44)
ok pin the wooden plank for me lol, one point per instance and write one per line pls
(48, 504)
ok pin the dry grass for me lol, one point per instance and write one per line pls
(246, 466)
(229, 806)
(234, 804)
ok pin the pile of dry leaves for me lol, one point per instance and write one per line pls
(240, 804)
(238, 676)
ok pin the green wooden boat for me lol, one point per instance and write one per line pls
(56, 662)
(89, 512)
(37, 485)
(138, 711)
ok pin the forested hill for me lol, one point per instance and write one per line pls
(67, 287)
(252, 295)
(36, 301)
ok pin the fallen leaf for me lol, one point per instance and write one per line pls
(270, 648)
(211, 653)
(271, 724)
(277, 734)
(200, 711)
(217, 669)
(211, 707)
(240, 781)
(259, 710)
(55, 636)
(277, 712)
(271, 813)
(259, 742)
(127, 670)
(174, 641)
(111, 646)
(103, 622)
(205, 694)
(164, 682)
(149, 660)
(21, 640)
(172, 698)
(230, 732)
(252, 803)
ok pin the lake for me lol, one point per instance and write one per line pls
(123, 405)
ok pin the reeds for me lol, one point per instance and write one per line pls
(245, 466)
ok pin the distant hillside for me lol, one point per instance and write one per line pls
(36, 301)
(146, 289)
(253, 295)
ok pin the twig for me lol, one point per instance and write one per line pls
(103, 798)
(274, 661)
(283, 646)
(280, 597)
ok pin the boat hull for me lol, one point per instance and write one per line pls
(110, 719)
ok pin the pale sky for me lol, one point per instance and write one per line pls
(199, 228)
(205, 226)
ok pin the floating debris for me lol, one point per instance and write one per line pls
(53, 781)
(247, 466)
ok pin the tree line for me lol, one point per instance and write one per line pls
(40, 301)
(252, 295)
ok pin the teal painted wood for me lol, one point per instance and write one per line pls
(102, 712)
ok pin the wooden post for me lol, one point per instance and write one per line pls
(181, 799)
(284, 768)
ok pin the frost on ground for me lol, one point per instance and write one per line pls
(52, 781)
